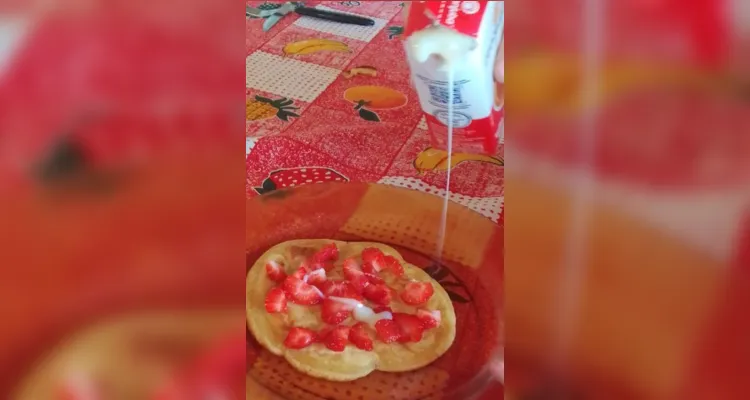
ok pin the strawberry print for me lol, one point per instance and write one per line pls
(283, 178)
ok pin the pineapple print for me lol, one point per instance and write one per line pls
(264, 108)
(395, 31)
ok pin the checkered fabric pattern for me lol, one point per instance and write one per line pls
(304, 78)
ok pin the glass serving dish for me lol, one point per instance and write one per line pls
(470, 268)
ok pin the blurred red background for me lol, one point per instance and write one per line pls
(627, 193)
(121, 172)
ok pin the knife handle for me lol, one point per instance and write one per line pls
(334, 16)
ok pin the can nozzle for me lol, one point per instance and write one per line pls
(446, 45)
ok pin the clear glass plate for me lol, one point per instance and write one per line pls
(470, 269)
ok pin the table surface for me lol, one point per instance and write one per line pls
(320, 131)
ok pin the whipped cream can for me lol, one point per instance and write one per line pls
(457, 42)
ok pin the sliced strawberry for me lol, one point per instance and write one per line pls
(359, 284)
(380, 309)
(301, 292)
(314, 265)
(411, 327)
(317, 277)
(430, 319)
(299, 338)
(335, 312)
(329, 252)
(374, 279)
(416, 293)
(392, 264)
(323, 333)
(358, 279)
(378, 294)
(387, 331)
(276, 300)
(300, 272)
(359, 337)
(275, 271)
(373, 260)
(352, 270)
(339, 288)
(337, 338)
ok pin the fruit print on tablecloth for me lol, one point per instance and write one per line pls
(270, 114)
(287, 77)
(490, 207)
(395, 31)
(300, 176)
(369, 99)
(260, 108)
(357, 70)
(281, 152)
(431, 159)
(387, 103)
(314, 47)
(470, 178)
(343, 135)
(391, 64)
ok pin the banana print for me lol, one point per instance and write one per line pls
(437, 160)
(311, 46)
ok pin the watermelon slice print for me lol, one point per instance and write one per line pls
(291, 177)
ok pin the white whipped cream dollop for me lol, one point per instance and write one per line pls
(362, 313)
(450, 46)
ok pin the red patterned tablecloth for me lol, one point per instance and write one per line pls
(304, 81)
